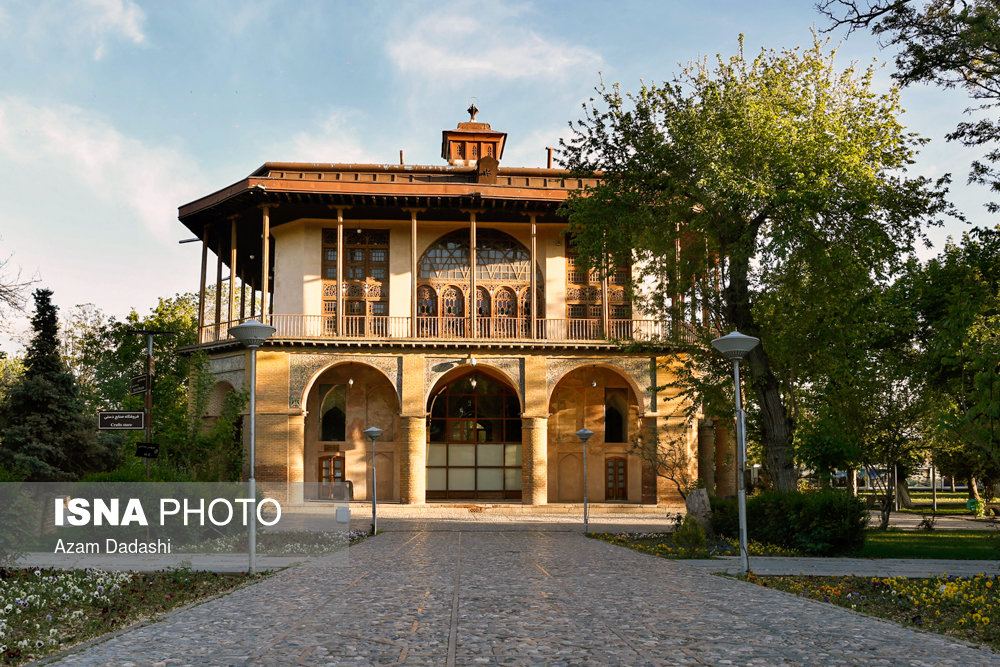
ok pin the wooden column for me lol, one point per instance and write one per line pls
(265, 261)
(243, 300)
(232, 268)
(472, 275)
(340, 271)
(253, 301)
(218, 287)
(533, 284)
(605, 308)
(413, 273)
(201, 291)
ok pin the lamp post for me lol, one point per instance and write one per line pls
(584, 435)
(373, 434)
(736, 346)
(252, 335)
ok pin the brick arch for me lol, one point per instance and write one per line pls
(639, 393)
(486, 368)
(311, 382)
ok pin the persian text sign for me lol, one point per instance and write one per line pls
(121, 421)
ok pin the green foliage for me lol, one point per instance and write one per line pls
(824, 445)
(766, 191)
(105, 353)
(15, 518)
(957, 295)
(48, 434)
(814, 522)
(690, 536)
(947, 43)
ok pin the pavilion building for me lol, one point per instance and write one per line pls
(442, 304)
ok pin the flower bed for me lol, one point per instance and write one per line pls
(45, 611)
(663, 545)
(964, 607)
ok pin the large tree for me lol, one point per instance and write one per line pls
(957, 295)
(762, 188)
(47, 433)
(950, 43)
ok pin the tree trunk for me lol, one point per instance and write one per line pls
(973, 489)
(852, 481)
(775, 422)
(903, 493)
(776, 427)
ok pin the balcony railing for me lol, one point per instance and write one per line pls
(322, 327)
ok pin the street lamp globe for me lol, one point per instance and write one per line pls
(252, 333)
(735, 345)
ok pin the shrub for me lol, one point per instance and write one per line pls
(823, 522)
(690, 536)
(725, 516)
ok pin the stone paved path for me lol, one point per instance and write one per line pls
(517, 598)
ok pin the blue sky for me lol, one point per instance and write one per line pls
(115, 112)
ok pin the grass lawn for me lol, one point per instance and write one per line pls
(952, 544)
(663, 545)
(963, 607)
(946, 544)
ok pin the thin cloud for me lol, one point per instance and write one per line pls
(147, 180)
(335, 139)
(84, 24)
(454, 47)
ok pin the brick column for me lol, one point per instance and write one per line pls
(706, 454)
(413, 463)
(534, 460)
(725, 458)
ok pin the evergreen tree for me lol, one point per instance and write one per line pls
(47, 435)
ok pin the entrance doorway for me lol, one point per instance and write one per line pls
(331, 478)
(616, 478)
(474, 441)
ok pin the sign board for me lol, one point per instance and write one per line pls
(138, 385)
(121, 421)
(147, 450)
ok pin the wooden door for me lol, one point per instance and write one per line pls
(331, 476)
(616, 468)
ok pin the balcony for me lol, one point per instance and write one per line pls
(501, 330)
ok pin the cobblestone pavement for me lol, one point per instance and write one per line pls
(516, 598)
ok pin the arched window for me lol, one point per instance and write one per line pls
(453, 302)
(426, 301)
(615, 415)
(499, 258)
(482, 302)
(333, 415)
(505, 305)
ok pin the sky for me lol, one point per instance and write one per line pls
(115, 112)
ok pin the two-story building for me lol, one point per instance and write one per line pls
(443, 305)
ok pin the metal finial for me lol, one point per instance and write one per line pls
(472, 111)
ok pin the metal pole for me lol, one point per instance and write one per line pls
(741, 447)
(149, 394)
(586, 515)
(374, 492)
(253, 454)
